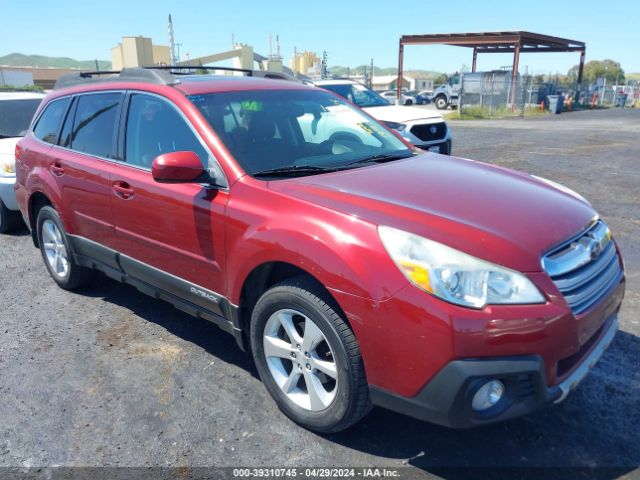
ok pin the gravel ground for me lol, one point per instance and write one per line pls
(110, 377)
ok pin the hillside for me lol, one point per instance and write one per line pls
(21, 60)
(632, 76)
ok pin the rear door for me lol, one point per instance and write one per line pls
(82, 162)
(171, 235)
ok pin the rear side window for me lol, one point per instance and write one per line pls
(155, 127)
(48, 125)
(94, 125)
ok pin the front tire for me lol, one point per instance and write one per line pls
(55, 250)
(441, 102)
(308, 357)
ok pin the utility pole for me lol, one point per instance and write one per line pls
(172, 45)
(323, 68)
(371, 75)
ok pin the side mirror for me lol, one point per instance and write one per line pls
(177, 167)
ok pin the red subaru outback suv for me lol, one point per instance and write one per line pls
(357, 270)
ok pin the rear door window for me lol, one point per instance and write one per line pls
(94, 127)
(48, 125)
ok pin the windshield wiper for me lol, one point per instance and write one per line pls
(381, 158)
(293, 170)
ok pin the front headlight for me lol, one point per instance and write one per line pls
(399, 127)
(455, 276)
(7, 165)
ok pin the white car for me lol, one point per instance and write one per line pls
(406, 99)
(16, 112)
(424, 128)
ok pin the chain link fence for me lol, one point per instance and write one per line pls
(617, 95)
(492, 94)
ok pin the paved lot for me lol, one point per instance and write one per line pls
(109, 376)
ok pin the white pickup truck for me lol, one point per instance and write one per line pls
(424, 128)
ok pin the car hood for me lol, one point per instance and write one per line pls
(398, 113)
(505, 217)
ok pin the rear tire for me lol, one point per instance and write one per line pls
(409, 102)
(56, 252)
(308, 357)
(9, 220)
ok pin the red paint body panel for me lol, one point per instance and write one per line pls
(177, 228)
(487, 211)
(327, 226)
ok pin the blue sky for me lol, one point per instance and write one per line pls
(352, 32)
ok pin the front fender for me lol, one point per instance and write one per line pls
(341, 251)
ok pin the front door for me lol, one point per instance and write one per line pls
(171, 235)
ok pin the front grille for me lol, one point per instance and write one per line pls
(425, 133)
(584, 268)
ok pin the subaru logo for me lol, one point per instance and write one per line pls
(433, 129)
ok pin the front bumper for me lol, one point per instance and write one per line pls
(446, 399)
(7, 192)
(443, 143)
(444, 147)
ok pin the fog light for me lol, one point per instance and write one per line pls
(487, 395)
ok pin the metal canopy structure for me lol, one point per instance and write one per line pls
(496, 42)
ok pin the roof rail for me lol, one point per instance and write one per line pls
(135, 74)
(178, 69)
(158, 75)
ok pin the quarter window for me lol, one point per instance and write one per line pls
(48, 125)
(95, 124)
(155, 127)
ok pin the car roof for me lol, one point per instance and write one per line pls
(21, 95)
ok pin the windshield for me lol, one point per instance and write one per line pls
(358, 94)
(276, 129)
(16, 115)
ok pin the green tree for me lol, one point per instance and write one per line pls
(442, 78)
(609, 69)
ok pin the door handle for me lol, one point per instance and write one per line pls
(122, 189)
(57, 169)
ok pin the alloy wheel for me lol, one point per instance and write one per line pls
(55, 249)
(300, 360)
